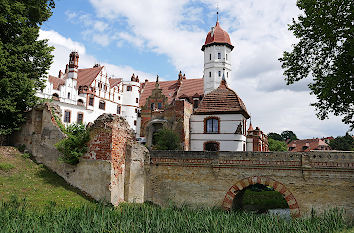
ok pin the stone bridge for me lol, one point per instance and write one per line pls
(117, 169)
(312, 180)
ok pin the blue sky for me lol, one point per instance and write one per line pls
(162, 37)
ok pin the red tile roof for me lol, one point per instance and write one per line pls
(217, 36)
(86, 76)
(222, 100)
(307, 145)
(114, 81)
(171, 89)
(57, 82)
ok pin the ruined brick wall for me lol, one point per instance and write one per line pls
(40, 133)
(318, 180)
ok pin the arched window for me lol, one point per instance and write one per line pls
(211, 146)
(211, 125)
(80, 102)
(55, 96)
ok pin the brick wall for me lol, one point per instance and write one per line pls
(318, 180)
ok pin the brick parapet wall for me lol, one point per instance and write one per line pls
(332, 161)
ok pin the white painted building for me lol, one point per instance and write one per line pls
(219, 122)
(85, 94)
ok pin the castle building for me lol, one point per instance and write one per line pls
(205, 112)
(85, 94)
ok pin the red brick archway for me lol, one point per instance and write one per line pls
(289, 197)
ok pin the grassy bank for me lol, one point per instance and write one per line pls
(21, 177)
(16, 217)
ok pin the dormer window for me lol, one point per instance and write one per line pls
(159, 105)
(152, 106)
(195, 103)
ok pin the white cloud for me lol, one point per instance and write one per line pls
(258, 29)
(63, 46)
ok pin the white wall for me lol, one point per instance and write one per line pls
(215, 65)
(229, 141)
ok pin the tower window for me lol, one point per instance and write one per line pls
(219, 55)
(134, 122)
(129, 88)
(219, 72)
(136, 100)
(152, 106)
(68, 95)
(226, 56)
(209, 57)
(227, 74)
(118, 109)
(209, 74)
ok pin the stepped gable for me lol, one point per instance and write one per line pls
(86, 76)
(217, 36)
(222, 100)
(171, 89)
(57, 82)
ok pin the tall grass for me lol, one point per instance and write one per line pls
(16, 217)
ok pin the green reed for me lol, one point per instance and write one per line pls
(15, 216)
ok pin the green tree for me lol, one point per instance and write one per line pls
(75, 144)
(24, 60)
(167, 139)
(275, 136)
(325, 53)
(288, 135)
(345, 143)
(275, 145)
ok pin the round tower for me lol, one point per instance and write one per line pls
(217, 60)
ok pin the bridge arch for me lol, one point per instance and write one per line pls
(277, 186)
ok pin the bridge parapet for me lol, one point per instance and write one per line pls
(313, 161)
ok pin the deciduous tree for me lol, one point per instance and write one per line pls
(325, 53)
(24, 60)
(275, 145)
(345, 143)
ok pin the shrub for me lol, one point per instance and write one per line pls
(167, 139)
(75, 144)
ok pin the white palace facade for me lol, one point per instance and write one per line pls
(85, 94)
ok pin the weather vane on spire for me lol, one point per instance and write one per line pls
(217, 12)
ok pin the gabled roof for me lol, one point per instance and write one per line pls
(114, 81)
(222, 100)
(307, 145)
(173, 89)
(86, 76)
(57, 82)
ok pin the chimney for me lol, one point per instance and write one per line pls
(73, 65)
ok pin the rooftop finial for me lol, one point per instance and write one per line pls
(217, 12)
